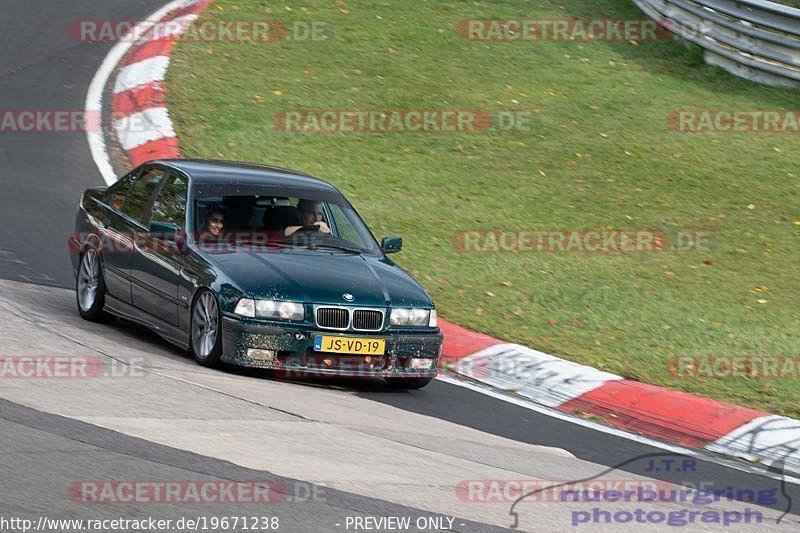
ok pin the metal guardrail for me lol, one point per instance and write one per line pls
(754, 39)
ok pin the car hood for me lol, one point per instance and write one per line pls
(320, 277)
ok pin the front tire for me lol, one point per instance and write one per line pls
(408, 383)
(90, 289)
(205, 330)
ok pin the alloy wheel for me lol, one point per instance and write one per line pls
(88, 280)
(205, 324)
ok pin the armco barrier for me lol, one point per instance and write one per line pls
(754, 39)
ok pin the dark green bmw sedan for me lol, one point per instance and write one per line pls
(253, 266)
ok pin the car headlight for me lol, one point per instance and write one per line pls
(246, 307)
(270, 309)
(411, 317)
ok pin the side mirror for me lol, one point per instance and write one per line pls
(165, 230)
(391, 245)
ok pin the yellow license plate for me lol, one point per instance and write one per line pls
(351, 345)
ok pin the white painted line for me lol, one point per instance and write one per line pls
(527, 404)
(542, 377)
(140, 128)
(765, 439)
(94, 96)
(140, 73)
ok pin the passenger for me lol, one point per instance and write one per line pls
(215, 222)
(212, 229)
(311, 214)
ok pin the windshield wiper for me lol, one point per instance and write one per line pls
(333, 246)
(267, 244)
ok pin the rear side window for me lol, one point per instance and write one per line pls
(141, 193)
(170, 205)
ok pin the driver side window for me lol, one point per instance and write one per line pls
(344, 227)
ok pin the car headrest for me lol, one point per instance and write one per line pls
(277, 218)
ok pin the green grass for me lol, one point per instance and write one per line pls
(599, 155)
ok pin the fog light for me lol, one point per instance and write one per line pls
(421, 364)
(261, 355)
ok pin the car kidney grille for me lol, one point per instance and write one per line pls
(367, 320)
(333, 317)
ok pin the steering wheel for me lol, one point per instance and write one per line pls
(313, 228)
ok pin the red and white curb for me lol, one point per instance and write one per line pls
(666, 415)
(140, 121)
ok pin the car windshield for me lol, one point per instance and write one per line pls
(279, 217)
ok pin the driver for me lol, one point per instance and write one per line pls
(311, 214)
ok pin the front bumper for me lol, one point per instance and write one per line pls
(290, 350)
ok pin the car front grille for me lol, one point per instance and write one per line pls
(367, 320)
(333, 317)
(340, 318)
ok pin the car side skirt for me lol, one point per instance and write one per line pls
(169, 332)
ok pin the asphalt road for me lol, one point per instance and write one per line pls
(56, 452)
(43, 68)
(54, 433)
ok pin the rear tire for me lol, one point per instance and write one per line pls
(205, 330)
(90, 289)
(408, 383)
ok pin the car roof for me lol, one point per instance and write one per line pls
(221, 172)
